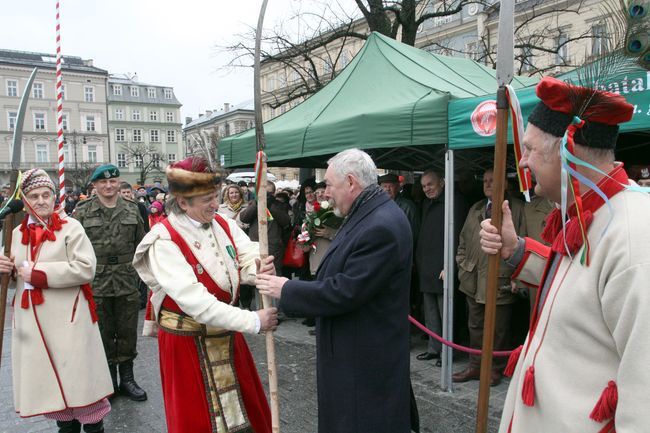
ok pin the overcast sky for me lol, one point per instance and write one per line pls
(167, 43)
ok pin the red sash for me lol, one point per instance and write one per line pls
(203, 277)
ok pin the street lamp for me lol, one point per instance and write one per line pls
(73, 136)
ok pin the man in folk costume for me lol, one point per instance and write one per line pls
(58, 361)
(583, 367)
(194, 262)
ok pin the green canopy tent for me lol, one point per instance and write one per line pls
(391, 100)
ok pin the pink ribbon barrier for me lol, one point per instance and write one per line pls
(453, 345)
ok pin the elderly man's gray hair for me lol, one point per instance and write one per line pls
(357, 163)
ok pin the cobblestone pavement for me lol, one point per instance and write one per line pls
(440, 412)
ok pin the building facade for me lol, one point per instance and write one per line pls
(85, 125)
(145, 126)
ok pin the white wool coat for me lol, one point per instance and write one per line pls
(54, 340)
(594, 328)
(162, 266)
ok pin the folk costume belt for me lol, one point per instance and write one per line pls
(215, 348)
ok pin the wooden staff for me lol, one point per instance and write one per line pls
(262, 220)
(505, 67)
(8, 227)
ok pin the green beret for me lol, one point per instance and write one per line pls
(106, 171)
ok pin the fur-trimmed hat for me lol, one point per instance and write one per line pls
(191, 177)
(36, 178)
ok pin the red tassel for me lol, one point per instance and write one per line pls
(512, 362)
(528, 390)
(88, 294)
(552, 226)
(24, 300)
(37, 296)
(606, 406)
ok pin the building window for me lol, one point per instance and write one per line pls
(168, 93)
(135, 115)
(42, 153)
(89, 94)
(138, 161)
(327, 68)
(39, 121)
(66, 151)
(171, 136)
(121, 160)
(117, 89)
(119, 114)
(151, 93)
(154, 136)
(12, 88)
(11, 119)
(119, 134)
(471, 50)
(170, 116)
(62, 92)
(64, 122)
(92, 153)
(270, 84)
(599, 40)
(562, 56)
(137, 135)
(527, 60)
(37, 91)
(345, 58)
(171, 158)
(90, 123)
(155, 160)
(153, 116)
(135, 91)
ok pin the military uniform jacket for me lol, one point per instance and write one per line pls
(473, 262)
(114, 233)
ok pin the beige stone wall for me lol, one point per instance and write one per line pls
(40, 148)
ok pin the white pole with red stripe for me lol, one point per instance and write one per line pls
(59, 106)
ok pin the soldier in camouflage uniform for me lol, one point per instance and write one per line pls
(115, 228)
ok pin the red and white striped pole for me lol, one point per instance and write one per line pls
(59, 107)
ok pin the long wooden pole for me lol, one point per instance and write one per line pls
(498, 187)
(262, 220)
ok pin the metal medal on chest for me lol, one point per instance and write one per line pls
(197, 244)
(199, 269)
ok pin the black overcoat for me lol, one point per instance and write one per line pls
(360, 299)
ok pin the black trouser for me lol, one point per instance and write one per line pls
(118, 325)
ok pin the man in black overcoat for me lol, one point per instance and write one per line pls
(360, 299)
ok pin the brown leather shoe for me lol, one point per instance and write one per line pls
(495, 377)
(470, 373)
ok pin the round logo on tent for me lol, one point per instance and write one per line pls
(484, 118)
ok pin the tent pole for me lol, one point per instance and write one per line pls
(448, 284)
